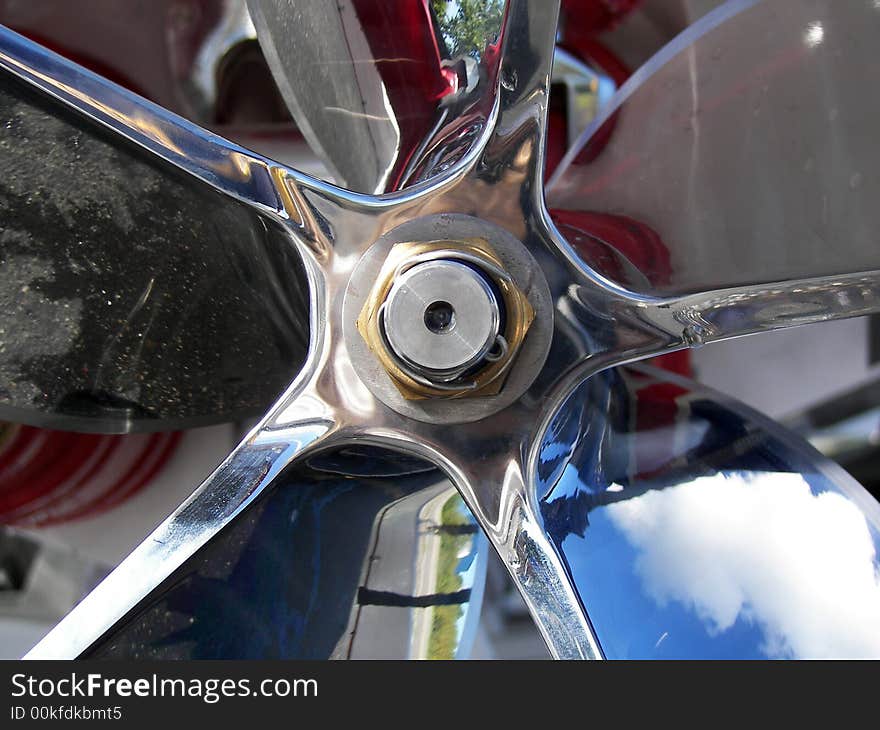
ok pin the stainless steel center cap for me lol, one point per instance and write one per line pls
(441, 317)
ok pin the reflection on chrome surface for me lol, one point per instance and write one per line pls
(713, 546)
(546, 503)
(389, 93)
(747, 146)
(695, 529)
(357, 553)
(139, 301)
(422, 584)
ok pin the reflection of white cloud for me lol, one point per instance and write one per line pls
(763, 548)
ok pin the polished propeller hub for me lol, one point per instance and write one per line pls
(445, 318)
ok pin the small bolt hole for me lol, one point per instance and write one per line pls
(439, 317)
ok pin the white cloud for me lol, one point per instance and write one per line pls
(764, 548)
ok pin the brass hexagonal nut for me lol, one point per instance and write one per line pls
(519, 315)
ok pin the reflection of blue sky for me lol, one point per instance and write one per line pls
(697, 528)
(742, 564)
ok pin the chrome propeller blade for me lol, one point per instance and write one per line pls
(135, 296)
(746, 150)
(290, 551)
(378, 89)
(483, 183)
(693, 527)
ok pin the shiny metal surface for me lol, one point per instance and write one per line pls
(751, 154)
(494, 461)
(587, 92)
(528, 321)
(707, 530)
(116, 312)
(223, 165)
(423, 580)
(441, 316)
(351, 554)
(386, 91)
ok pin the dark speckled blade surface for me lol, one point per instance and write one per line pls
(132, 297)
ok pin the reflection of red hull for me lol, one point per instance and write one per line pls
(604, 241)
(591, 17)
(402, 40)
(582, 22)
(47, 477)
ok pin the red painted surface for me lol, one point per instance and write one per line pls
(48, 477)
